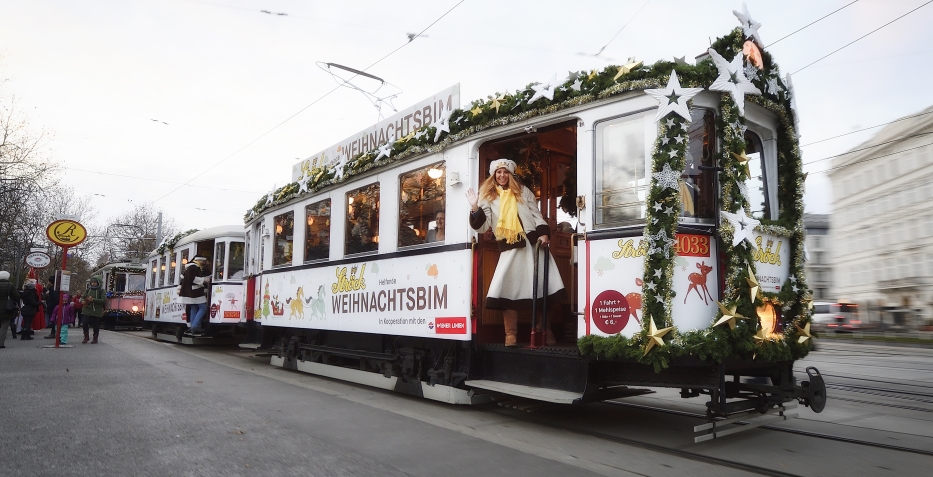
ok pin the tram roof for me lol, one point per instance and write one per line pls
(234, 231)
(120, 264)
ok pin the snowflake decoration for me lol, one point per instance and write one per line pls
(667, 178)
(660, 243)
(673, 99)
(732, 79)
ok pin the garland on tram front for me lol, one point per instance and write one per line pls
(736, 330)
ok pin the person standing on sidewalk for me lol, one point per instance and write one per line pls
(78, 305)
(7, 292)
(50, 294)
(94, 300)
(67, 312)
(30, 309)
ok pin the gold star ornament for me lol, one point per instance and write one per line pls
(655, 336)
(627, 68)
(761, 336)
(729, 316)
(804, 333)
(592, 75)
(753, 285)
(476, 111)
(743, 162)
(496, 102)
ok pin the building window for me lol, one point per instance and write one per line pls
(362, 234)
(622, 156)
(422, 199)
(284, 237)
(317, 233)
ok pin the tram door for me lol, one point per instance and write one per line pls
(546, 161)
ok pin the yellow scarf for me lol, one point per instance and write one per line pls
(508, 226)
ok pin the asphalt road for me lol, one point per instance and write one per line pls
(133, 406)
(129, 406)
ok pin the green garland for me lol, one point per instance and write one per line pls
(716, 342)
(720, 342)
(169, 243)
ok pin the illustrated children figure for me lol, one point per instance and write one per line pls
(68, 318)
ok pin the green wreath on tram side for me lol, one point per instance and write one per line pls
(715, 342)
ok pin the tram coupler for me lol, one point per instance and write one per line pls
(812, 393)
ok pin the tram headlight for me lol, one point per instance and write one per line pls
(135, 308)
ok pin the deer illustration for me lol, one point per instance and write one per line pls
(634, 300)
(296, 307)
(698, 280)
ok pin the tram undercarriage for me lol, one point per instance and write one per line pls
(461, 373)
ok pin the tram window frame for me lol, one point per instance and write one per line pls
(635, 163)
(151, 269)
(321, 251)
(415, 232)
(759, 175)
(283, 226)
(220, 257)
(185, 257)
(173, 269)
(354, 217)
(696, 183)
(232, 272)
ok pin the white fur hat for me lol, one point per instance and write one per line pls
(506, 163)
(4, 275)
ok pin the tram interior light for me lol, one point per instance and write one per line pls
(278, 228)
(349, 200)
(435, 173)
(163, 267)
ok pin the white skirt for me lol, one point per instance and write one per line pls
(512, 282)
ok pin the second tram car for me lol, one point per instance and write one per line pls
(674, 215)
(225, 249)
(125, 285)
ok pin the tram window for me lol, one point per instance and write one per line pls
(153, 267)
(184, 262)
(696, 189)
(317, 233)
(284, 238)
(755, 184)
(220, 249)
(135, 282)
(119, 284)
(173, 269)
(362, 234)
(237, 260)
(160, 272)
(422, 200)
(621, 157)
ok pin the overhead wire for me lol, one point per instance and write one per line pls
(897, 139)
(812, 23)
(861, 37)
(866, 129)
(328, 93)
(623, 27)
(871, 158)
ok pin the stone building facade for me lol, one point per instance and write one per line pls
(882, 224)
(817, 266)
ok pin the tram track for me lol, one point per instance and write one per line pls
(818, 435)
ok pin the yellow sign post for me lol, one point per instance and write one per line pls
(66, 234)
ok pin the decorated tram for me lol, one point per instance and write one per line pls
(224, 248)
(673, 199)
(125, 286)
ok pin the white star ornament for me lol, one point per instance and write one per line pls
(673, 98)
(749, 26)
(744, 227)
(732, 79)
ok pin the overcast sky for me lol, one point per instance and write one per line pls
(145, 95)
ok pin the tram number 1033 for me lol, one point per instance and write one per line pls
(690, 245)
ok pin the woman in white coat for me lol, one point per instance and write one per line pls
(510, 210)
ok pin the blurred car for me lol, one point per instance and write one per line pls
(839, 317)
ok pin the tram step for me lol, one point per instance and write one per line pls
(539, 394)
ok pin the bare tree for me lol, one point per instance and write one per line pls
(133, 234)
